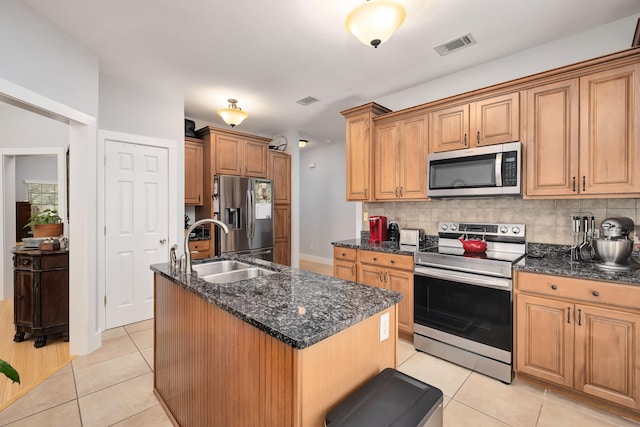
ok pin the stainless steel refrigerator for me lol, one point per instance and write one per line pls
(245, 205)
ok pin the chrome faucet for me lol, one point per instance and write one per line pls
(186, 268)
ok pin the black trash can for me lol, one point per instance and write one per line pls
(390, 399)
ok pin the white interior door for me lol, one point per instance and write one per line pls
(136, 228)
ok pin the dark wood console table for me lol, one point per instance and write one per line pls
(41, 294)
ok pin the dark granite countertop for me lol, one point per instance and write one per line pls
(297, 307)
(556, 260)
(388, 247)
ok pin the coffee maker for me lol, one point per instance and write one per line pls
(377, 229)
(614, 248)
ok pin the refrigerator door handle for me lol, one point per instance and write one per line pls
(253, 213)
(248, 210)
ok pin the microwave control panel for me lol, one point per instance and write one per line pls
(510, 169)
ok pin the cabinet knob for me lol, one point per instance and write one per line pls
(393, 261)
(375, 259)
(554, 287)
(25, 262)
(595, 293)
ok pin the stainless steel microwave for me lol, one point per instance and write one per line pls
(492, 170)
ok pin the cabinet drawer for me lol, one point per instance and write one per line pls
(404, 262)
(579, 289)
(49, 261)
(347, 254)
(199, 248)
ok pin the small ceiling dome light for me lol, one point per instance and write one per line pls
(232, 115)
(375, 21)
(303, 143)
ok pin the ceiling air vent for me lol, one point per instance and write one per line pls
(455, 44)
(307, 100)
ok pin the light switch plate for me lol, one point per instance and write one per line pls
(384, 326)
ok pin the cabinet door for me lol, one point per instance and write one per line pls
(402, 281)
(345, 270)
(280, 173)
(607, 360)
(193, 173)
(255, 159)
(544, 339)
(371, 275)
(551, 139)
(450, 128)
(23, 299)
(412, 173)
(282, 234)
(610, 131)
(358, 157)
(387, 161)
(495, 120)
(54, 298)
(228, 158)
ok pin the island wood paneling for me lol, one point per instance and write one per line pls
(212, 368)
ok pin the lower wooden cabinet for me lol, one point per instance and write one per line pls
(580, 334)
(41, 294)
(345, 263)
(384, 270)
(200, 249)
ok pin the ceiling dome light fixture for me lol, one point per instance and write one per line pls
(375, 21)
(232, 115)
(302, 143)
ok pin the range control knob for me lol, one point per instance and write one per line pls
(516, 230)
(453, 227)
(444, 226)
(504, 229)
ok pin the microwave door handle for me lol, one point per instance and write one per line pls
(499, 170)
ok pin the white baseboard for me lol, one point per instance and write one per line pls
(317, 259)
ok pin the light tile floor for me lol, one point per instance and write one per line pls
(113, 387)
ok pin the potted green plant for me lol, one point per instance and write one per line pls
(9, 372)
(45, 224)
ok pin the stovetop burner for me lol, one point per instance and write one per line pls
(505, 247)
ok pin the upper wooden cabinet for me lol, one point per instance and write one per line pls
(193, 177)
(552, 138)
(359, 150)
(400, 153)
(240, 156)
(610, 131)
(583, 137)
(484, 122)
(279, 171)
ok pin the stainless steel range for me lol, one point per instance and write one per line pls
(463, 301)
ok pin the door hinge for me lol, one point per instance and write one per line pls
(105, 300)
(105, 230)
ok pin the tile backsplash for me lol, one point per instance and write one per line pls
(547, 221)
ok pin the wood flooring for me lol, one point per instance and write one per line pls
(33, 364)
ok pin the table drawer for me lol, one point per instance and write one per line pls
(593, 291)
(404, 262)
(347, 254)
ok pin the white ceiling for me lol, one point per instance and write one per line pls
(269, 54)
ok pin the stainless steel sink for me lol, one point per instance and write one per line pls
(228, 271)
(216, 267)
(236, 275)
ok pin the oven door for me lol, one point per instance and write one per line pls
(470, 306)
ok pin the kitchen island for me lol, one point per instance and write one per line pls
(277, 350)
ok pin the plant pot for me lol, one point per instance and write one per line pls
(47, 230)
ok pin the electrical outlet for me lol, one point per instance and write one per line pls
(384, 326)
(365, 216)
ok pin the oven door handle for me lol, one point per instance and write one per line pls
(470, 279)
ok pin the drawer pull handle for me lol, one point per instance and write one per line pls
(25, 262)
(554, 287)
(595, 293)
(568, 314)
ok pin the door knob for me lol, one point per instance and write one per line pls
(163, 241)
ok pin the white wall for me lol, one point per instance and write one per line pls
(325, 215)
(34, 168)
